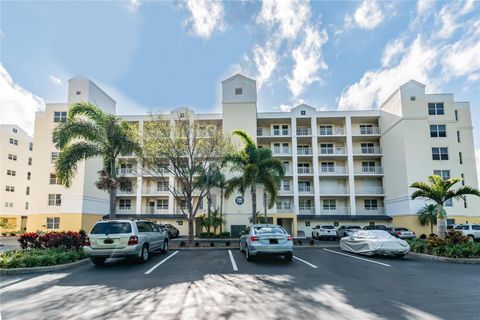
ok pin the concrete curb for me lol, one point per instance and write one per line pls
(445, 259)
(4, 271)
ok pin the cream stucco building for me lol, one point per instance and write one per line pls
(342, 167)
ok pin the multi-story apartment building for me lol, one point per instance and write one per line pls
(342, 167)
(16, 161)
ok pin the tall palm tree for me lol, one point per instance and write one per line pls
(438, 191)
(213, 178)
(257, 166)
(428, 216)
(89, 132)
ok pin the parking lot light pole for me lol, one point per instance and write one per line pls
(265, 205)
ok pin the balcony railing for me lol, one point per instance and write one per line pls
(155, 190)
(306, 210)
(379, 211)
(305, 189)
(126, 192)
(333, 151)
(333, 190)
(124, 170)
(304, 132)
(333, 170)
(280, 132)
(282, 151)
(125, 210)
(288, 171)
(367, 130)
(304, 151)
(335, 211)
(284, 208)
(369, 190)
(304, 170)
(285, 189)
(369, 170)
(156, 210)
(267, 132)
(331, 132)
(368, 150)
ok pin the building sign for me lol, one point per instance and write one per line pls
(239, 200)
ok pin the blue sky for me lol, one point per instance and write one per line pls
(158, 55)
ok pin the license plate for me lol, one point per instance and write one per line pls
(108, 241)
(273, 241)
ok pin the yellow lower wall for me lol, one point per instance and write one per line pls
(68, 222)
(13, 223)
(411, 222)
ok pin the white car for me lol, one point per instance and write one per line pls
(469, 230)
(374, 242)
(324, 232)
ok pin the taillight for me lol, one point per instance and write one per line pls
(289, 238)
(253, 238)
(86, 243)
(133, 240)
(399, 233)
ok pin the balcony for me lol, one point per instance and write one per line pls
(367, 131)
(304, 170)
(288, 171)
(284, 208)
(125, 211)
(335, 211)
(285, 190)
(125, 171)
(333, 170)
(156, 210)
(304, 151)
(334, 190)
(379, 211)
(304, 132)
(282, 151)
(369, 190)
(333, 151)
(369, 170)
(305, 189)
(331, 132)
(306, 210)
(267, 132)
(155, 190)
(368, 150)
(126, 192)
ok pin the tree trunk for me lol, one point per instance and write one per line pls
(113, 202)
(253, 191)
(191, 220)
(209, 210)
(431, 227)
(441, 222)
(221, 210)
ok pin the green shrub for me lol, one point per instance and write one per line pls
(203, 235)
(225, 234)
(38, 257)
(452, 247)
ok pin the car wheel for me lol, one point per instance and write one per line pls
(288, 256)
(165, 246)
(471, 237)
(144, 254)
(98, 261)
(248, 255)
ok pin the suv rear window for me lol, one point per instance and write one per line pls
(401, 229)
(111, 228)
(461, 228)
(328, 227)
(261, 230)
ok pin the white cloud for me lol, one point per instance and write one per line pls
(367, 16)
(424, 5)
(308, 61)
(265, 59)
(285, 108)
(133, 5)
(392, 51)
(206, 17)
(17, 105)
(446, 19)
(55, 80)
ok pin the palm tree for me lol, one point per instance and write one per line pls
(89, 132)
(257, 166)
(427, 216)
(213, 178)
(438, 191)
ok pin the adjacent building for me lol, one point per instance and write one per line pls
(342, 167)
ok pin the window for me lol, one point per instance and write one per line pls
(329, 205)
(438, 130)
(15, 130)
(367, 147)
(285, 148)
(458, 136)
(53, 223)
(60, 116)
(14, 141)
(26, 205)
(144, 227)
(448, 203)
(440, 153)
(162, 185)
(326, 130)
(12, 173)
(53, 178)
(463, 179)
(456, 115)
(238, 91)
(435, 108)
(182, 115)
(162, 204)
(304, 186)
(445, 174)
(125, 204)
(370, 204)
(29, 175)
(27, 191)
(8, 204)
(30, 146)
(12, 157)
(328, 167)
(183, 204)
(366, 129)
(326, 148)
(412, 98)
(10, 188)
(368, 166)
(460, 158)
(276, 148)
(464, 202)
(303, 112)
(54, 156)
(78, 93)
(286, 185)
(54, 200)
(29, 161)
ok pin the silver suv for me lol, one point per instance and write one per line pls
(124, 239)
(469, 230)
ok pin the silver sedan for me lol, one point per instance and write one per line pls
(266, 239)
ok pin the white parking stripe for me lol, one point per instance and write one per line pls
(368, 260)
(160, 263)
(234, 264)
(306, 262)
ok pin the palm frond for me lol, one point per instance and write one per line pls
(87, 109)
(245, 137)
(235, 183)
(74, 130)
(271, 190)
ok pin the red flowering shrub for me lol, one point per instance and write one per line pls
(66, 240)
(29, 240)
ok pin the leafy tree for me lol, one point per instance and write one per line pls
(256, 166)
(89, 132)
(428, 216)
(439, 191)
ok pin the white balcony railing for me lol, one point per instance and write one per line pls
(282, 151)
(304, 132)
(126, 192)
(288, 171)
(369, 170)
(280, 132)
(333, 170)
(306, 210)
(156, 210)
(285, 189)
(369, 190)
(284, 208)
(154, 190)
(124, 170)
(304, 170)
(368, 150)
(304, 189)
(335, 211)
(331, 132)
(125, 210)
(333, 151)
(367, 130)
(379, 211)
(333, 190)
(304, 151)
(263, 132)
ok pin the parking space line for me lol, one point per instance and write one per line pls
(160, 263)
(234, 264)
(368, 260)
(306, 262)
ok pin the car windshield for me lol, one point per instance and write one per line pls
(401, 229)
(261, 230)
(111, 228)
(328, 227)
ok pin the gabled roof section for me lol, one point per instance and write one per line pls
(415, 82)
(303, 105)
(238, 75)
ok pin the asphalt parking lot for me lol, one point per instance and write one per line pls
(319, 283)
